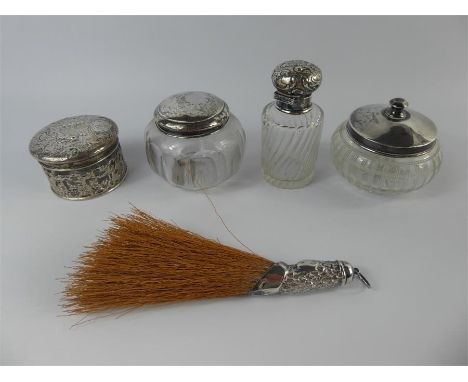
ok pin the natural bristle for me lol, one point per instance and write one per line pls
(141, 260)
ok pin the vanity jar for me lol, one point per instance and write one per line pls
(387, 149)
(81, 156)
(194, 141)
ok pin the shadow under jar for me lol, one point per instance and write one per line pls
(387, 149)
(193, 141)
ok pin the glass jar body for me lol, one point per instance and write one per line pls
(195, 163)
(290, 144)
(380, 173)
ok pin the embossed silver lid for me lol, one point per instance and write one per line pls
(392, 130)
(295, 81)
(191, 114)
(74, 140)
(296, 78)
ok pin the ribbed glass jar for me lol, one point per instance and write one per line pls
(195, 163)
(290, 144)
(380, 173)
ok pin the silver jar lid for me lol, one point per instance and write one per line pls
(191, 114)
(392, 130)
(295, 81)
(74, 140)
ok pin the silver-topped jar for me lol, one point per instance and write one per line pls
(194, 141)
(387, 148)
(80, 155)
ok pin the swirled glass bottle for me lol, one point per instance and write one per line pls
(292, 126)
(290, 144)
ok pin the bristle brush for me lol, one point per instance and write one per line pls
(141, 260)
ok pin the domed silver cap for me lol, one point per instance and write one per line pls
(296, 78)
(191, 114)
(392, 130)
(295, 81)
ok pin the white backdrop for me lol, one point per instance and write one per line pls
(412, 248)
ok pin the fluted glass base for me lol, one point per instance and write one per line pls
(199, 162)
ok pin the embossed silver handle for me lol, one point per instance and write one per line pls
(306, 276)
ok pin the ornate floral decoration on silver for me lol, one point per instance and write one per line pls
(296, 78)
(80, 155)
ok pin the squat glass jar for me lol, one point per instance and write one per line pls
(387, 149)
(194, 141)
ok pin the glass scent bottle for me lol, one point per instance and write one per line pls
(292, 126)
(387, 149)
(194, 141)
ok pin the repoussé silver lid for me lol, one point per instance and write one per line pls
(191, 114)
(73, 140)
(295, 81)
(392, 130)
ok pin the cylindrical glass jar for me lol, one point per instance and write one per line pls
(193, 141)
(385, 156)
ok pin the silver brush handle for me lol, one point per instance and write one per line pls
(306, 276)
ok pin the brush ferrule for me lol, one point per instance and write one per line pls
(305, 276)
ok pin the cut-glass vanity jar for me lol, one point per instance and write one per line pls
(292, 126)
(194, 141)
(387, 149)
